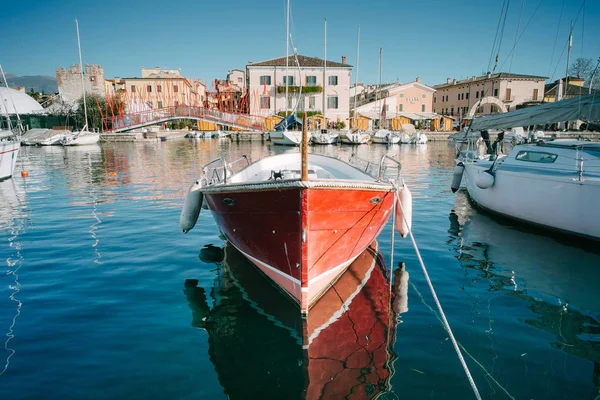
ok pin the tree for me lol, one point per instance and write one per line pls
(584, 68)
(96, 111)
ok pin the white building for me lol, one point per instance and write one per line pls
(266, 86)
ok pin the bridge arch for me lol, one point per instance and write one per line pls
(487, 100)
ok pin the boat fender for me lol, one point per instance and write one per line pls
(191, 207)
(404, 211)
(457, 176)
(485, 180)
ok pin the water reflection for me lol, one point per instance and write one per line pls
(551, 276)
(12, 220)
(262, 348)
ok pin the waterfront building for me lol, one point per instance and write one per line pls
(558, 89)
(487, 94)
(69, 82)
(399, 99)
(230, 94)
(266, 82)
(156, 89)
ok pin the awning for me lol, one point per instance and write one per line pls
(585, 108)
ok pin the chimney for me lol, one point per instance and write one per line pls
(448, 80)
(343, 59)
(559, 90)
(454, 81)
(418, 80)
(489, 75)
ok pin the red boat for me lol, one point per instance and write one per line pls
(344, 349)
(302, 227)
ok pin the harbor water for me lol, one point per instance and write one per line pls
(103, 297)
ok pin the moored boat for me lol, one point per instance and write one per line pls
(552, 184)
(9, 152)
(384, 136)
(302, 232)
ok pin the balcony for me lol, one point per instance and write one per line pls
(305, 89)
(509, 99)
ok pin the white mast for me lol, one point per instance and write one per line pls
(356, 77)
(325, 75)
(19, 124)
(568, 60)
(82, 81)
(378, 89)
(287, 56)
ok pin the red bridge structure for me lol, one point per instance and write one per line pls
(126, 122)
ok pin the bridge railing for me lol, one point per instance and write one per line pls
(216, 116)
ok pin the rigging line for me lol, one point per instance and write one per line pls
(516, 35)
(461, 346)
(521, 35)
(559, 58)
(496, 36)
(440, 309)
(556, 37)
(501, 35)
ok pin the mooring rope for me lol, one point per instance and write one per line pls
(439, 306)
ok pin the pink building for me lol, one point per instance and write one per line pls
(487, 94)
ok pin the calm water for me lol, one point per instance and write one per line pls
(104, 297)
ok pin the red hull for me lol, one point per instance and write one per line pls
(302, 238)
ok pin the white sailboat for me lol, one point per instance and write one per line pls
(10, 140)
(281, 135)
(382, 135)
(355, 136)
(84, 136)
(554, 184)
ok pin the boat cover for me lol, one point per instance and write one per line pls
(291, 121)
(585, 108)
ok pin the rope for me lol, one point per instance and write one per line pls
(439, 306)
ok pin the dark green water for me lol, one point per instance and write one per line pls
(103, 297)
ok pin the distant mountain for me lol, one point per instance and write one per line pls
(37, 82)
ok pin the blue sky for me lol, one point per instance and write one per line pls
(433, 39)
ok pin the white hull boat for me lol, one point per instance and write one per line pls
(80, 139)
(53, 140)
(384, 136)
(419, 138)
(9, 151)
(286, 138)
(357, 137)
(554, 185)
(405, 139)
(324, 137)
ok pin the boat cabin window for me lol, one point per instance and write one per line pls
(536, 156)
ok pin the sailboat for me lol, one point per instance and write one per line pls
(553, 184)
(84, 136)
(383, 135)
(343, 349)
(355, 136)
(323, 135)
(10, 140)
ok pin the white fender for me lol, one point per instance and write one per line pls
(404, 211)
(191, 207)
(484, 180)
(457, 177)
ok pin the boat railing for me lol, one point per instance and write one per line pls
(219, 170)
(386, 169)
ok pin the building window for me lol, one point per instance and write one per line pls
(175, 89)
(311, 102)
(401, 95)
(434, 98)
(401, 107)
(333, 80)
(311, 81)
(159, 105)
(387, 107)
(467, 95)
(477, 94)
(158, 89)
(132, 88)
(149, 88)
(458, 97)
(423, 107)
(452, 111)
(176, 103)
(265, 102)
(535, 95)
(289, 80)
(508, 93)
(482, 94)
(265, 80)
(424, 95)
(332, 102)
